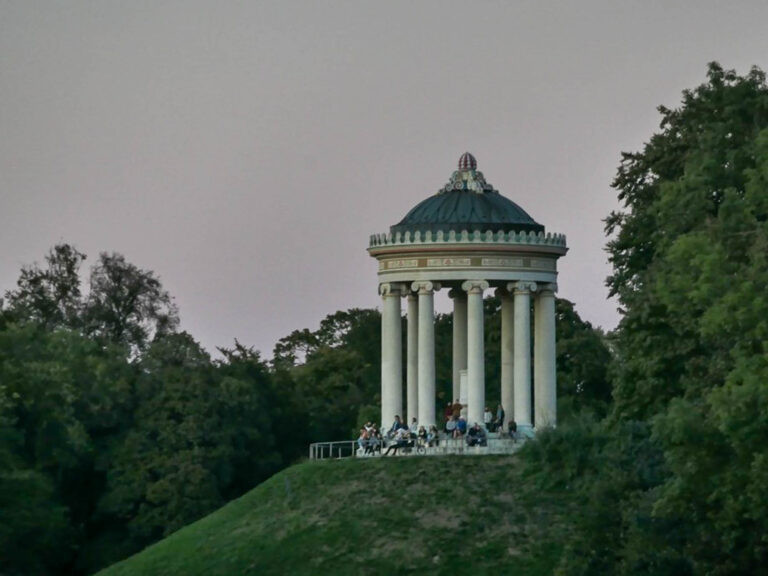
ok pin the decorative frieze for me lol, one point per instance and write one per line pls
(502, 262)
(448, 262)
(398, 264)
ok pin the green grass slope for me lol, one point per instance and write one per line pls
(427, 515)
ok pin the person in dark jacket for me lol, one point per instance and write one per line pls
(476, 436)
(498, 422)
(396, 425)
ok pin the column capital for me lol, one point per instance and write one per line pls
(390, 289)
(547, 289)
(522, 287)
(426, 287)
(475, 286)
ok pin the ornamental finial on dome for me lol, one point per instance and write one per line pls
(467, 162)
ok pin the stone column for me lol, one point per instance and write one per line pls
(391, 355)
(475, 350)
(459, 339)
(507, 354)
(412, 375)
(463, 392)
(522, 291)
(544, 368)
(426, 351)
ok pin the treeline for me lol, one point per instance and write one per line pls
(674, 481)
(116, 429)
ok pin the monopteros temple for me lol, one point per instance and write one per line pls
(468, 239)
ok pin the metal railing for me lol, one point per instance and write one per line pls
(339, 450)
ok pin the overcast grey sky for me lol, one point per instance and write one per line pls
(245, 151)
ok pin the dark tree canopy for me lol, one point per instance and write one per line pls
(674, 482)
(50, 296)
(116, 430)
(126, 304)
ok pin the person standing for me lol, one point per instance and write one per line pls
(487, 419)
(499, 422)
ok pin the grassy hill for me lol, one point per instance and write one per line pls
(448, 515)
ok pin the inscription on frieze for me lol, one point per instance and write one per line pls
(447, 262)
(502, 262)
(409, 263)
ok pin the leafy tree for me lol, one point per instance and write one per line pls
(115, 430)
(164, 473)
(51, 296)
(126, 304)
(583, 360)
(690, 267)
(339, 374)
(34, 530)
(200, 434)
(264, 419)
(682, 195)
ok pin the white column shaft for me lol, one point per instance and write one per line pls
(507, 355)
(545, 369)
(426, 358)
(475, 352)
(522, 369)
(391, 357)
(412, 376)
(459, 342)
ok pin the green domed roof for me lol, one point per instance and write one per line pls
(469, 203)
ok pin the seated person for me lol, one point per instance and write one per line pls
(398, 424)
(461, 428)
(362, 440)
(512, 429)
(422, 436)
(374, 441)
(400, 441)
(433, 438)
(476, 436)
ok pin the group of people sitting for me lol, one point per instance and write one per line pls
(406, 437)
(400, 436)
(370, 440)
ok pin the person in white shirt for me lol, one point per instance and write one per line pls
(487, 418)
